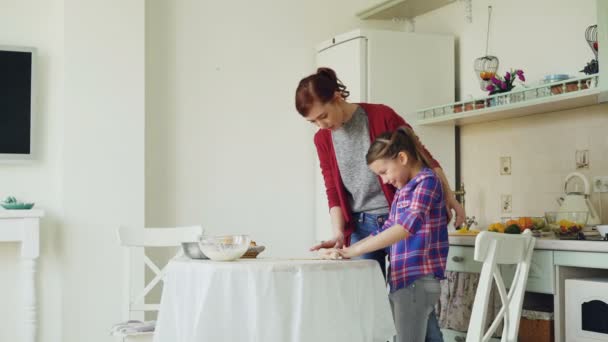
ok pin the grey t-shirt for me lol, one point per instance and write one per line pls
(351, 142)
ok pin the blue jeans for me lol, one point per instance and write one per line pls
(365, 224)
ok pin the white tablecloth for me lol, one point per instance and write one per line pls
(266, 300)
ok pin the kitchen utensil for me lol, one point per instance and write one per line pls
(193, 251)
(591, 37)
(573, 201)
(486, 66)
(224, 248)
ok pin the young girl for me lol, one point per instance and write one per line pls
(416, 230)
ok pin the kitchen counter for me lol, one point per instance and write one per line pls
(553, 261)
(546, 244)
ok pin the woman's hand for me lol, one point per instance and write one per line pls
(452, 203)
(336, 242)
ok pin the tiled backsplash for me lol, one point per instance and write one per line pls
(542, 148)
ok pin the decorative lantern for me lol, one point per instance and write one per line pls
(591, 37)
(486, 66)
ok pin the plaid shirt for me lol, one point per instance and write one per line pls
(420, 209)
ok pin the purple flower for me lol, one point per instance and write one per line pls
(519, 72)
(503, 85)
(507, 76)
(490, 87)
(495, 80)
(521, 77)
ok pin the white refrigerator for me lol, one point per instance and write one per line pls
(406, 71)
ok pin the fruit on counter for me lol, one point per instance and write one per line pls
(466, 230)
(570, 230)
(487, 75)
(511, 222)
(496, 227)
(512, 229)
(567, 223)
(524, 222)
(538, 223)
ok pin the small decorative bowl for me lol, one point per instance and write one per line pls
(17, 206)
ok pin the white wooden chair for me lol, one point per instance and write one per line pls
(136, 289)
(494, 249)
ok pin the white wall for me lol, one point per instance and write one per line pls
(226, 147)
(38, 24)
(103, 171)
(541, 37)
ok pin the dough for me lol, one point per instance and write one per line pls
(329, 254)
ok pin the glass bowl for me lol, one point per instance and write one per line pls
(566, 223)
(193, 251)
(225, 247)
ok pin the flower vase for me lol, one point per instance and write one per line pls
(499, 100)
(516, 97)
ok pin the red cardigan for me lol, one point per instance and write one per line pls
(381, 119)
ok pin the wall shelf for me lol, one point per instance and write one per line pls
(400, 8)
(569, 94)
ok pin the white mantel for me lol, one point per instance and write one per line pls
(35, 213)
(23, 226)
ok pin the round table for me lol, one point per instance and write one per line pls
(270, 300)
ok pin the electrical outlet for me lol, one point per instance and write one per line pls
(600, 184)
(505, 165)
(505, 204)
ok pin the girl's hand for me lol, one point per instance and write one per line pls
(349, 252)
(336, 242)
(452, 203)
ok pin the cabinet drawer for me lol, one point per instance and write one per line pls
(541, 278)
(460, 259)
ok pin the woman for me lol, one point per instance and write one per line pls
(359, 201)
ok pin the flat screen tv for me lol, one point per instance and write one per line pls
(17, 74)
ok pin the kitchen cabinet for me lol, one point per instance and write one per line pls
(389, 9)
(553, 262)
(541, 277)
(461, 259)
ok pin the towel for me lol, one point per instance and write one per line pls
(132, 327)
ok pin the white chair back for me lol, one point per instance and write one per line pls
(137, 239)
(494, 249)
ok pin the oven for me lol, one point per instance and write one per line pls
(586, 310)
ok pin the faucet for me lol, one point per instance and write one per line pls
(460, 194)
(469, 221)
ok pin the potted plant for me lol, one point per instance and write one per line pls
(504, 84)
